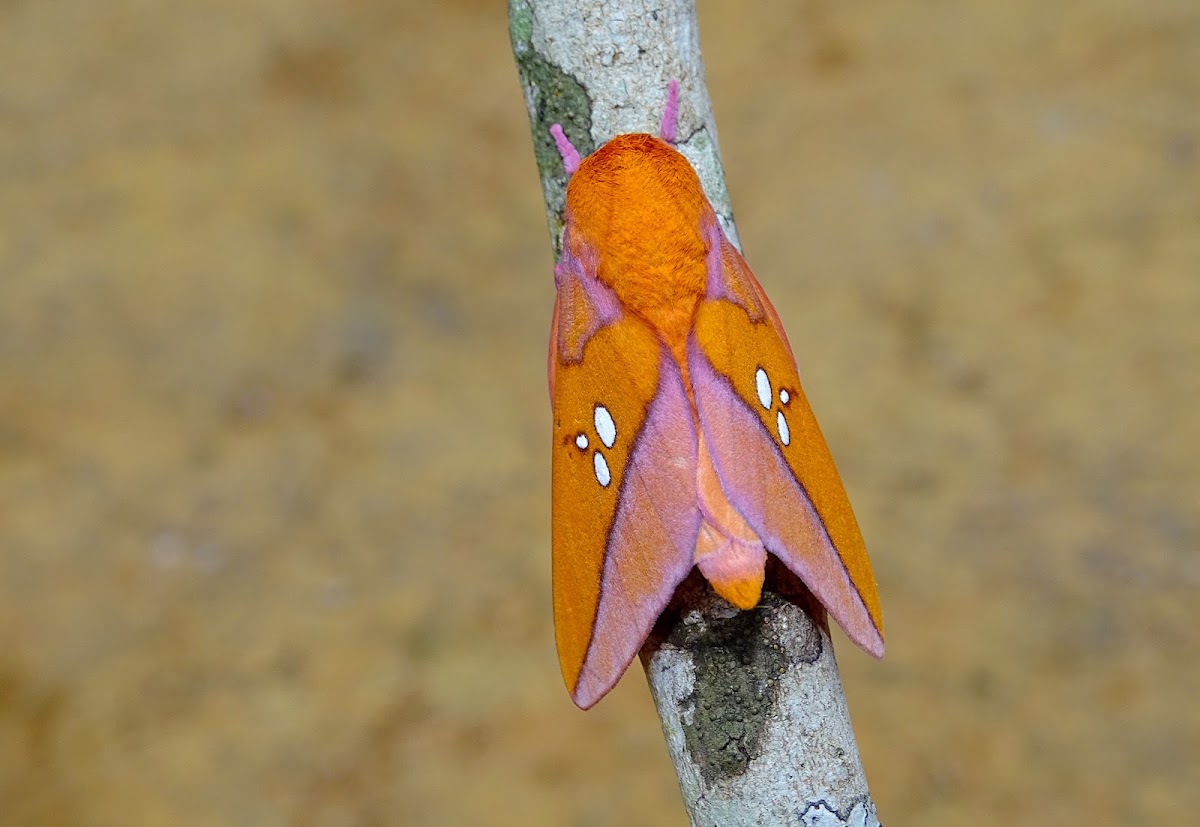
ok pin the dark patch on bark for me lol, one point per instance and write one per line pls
(739, 660)
(558, 98)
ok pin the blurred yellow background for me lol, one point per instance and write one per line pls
(274, 298)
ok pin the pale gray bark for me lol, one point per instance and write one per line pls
(753, 712)
(751, 703)
(601, 69)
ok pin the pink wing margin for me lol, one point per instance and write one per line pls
(753, 471)
(658, 509)
(652, 536)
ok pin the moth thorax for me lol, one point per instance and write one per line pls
(638, 203)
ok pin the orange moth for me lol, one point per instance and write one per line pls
(681, 434)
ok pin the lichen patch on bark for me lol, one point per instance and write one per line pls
(554, 96)
(738, 661)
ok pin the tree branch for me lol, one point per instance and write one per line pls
(751, 703)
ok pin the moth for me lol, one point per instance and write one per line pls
(681, 435)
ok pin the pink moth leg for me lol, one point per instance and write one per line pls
(566, 149)
(670, 118)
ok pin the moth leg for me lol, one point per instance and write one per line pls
(570, 155)
(670, 118)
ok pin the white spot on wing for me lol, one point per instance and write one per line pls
(605, 427)
(784, 397)
(602, 475)
(581, 442)
(785, 435)
(764, 388)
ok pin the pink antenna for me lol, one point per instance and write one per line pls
(670, 116)
(566, 149)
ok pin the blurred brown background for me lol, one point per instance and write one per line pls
(274, 296)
